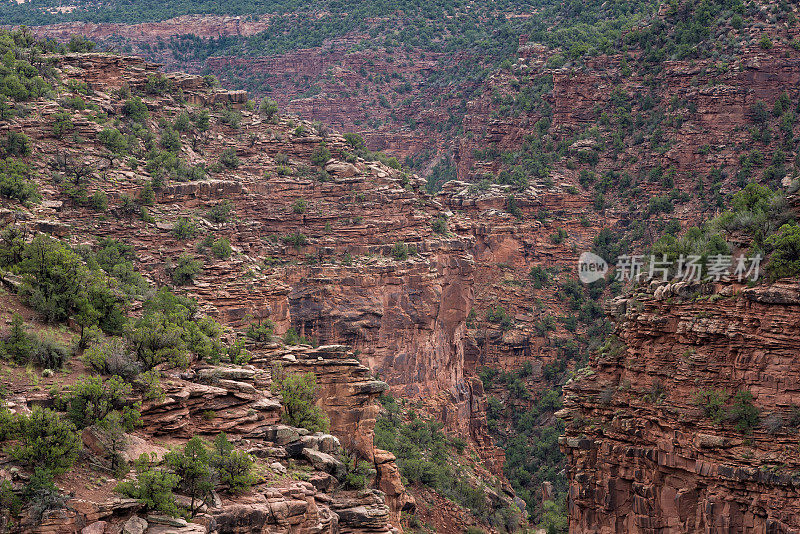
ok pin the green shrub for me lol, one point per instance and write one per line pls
(17, 144)
(147, 195)
(19, 345)
(169, 331)
(9, 424)
(92, 399)
(296, 239)
(192, 464)
(74, 102)
(49, 354)
(183, 123)
(298, 391)
(558, 236)
(111, 357)
(291, 337)
(158, 84)
(221, 248)
(152, 487)
(268, 108)
(299, 206)
(321, 155)
(355, 141)
(99, 200)
(539, 276)
(186, 269)
(401, 251)
(135, 110)
(185, 228)
(712, 402)
(232, 118)
(114, 140)
(424, 456)
(512, 207)
(201, 120)
(10, 502)
(53, 277)
(237, 354)
(15, 181)
(261, 331)
(743, 413)
(759, 112)
(439, 225)
(221, 212)
(42, 495)
(62, 124)
(785, 246)
(149, 383)
(235, 468)
(498, 315)
(229, 159)
(46, 441)
(111, 434)
(170, 140)
(356, 472)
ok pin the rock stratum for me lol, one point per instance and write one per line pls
(643, 457)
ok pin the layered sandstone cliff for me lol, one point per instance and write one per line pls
(641, 454)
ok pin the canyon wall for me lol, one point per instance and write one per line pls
(345, 254)
(642, 456)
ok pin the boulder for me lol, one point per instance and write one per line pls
(267, 405)
(278, 467)
(281, 434)
(135, 446)
(159, 519)
(367, 517)
(226, 373)
(324, 462)
(134, 525)
(138, 446)
(341, 168)
(98, 527)
(328, 443)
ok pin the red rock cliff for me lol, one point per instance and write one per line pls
(642, 456)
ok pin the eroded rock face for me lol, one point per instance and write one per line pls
(291, 509)
(209, 400)
(641, 454)
(361, 263)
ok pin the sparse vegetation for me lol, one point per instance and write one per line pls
(298, 391)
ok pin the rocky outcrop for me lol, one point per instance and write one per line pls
(209, 400)
(238, 400)
(294, 508)
(644, 457)
(346, 390)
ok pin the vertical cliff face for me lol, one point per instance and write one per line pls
(648, 451)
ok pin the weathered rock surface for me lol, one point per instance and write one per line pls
(641, 455)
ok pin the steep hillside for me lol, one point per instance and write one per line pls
(118, 180)
(614, 127)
